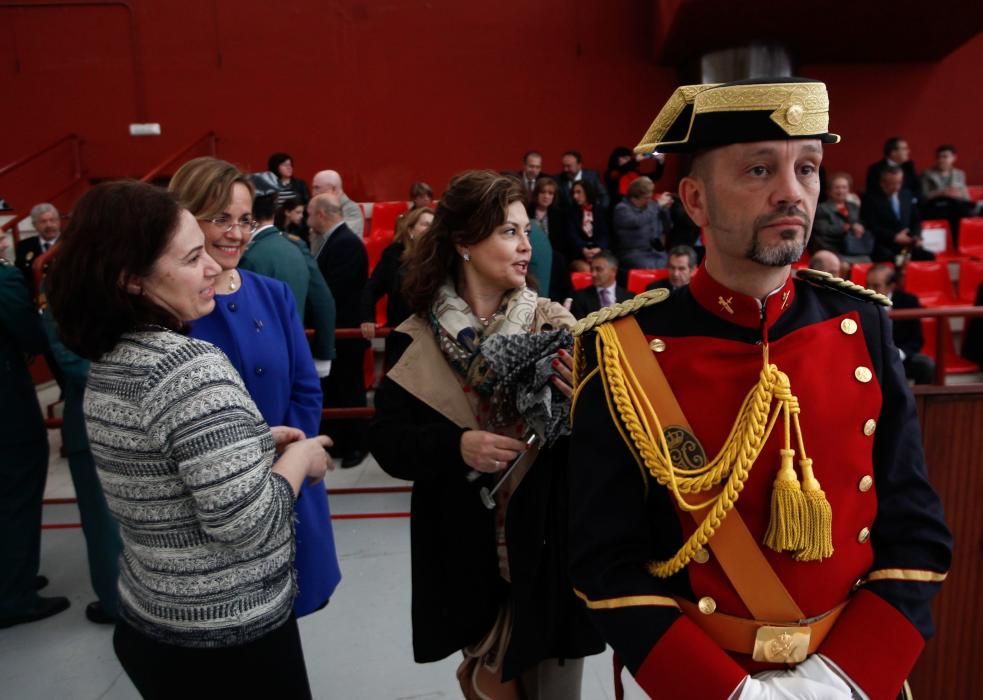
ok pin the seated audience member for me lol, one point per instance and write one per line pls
(47, 222)
(908, 333)
(826, 261)
(186, 460)
(896, 152)
(532, 168)
(387, 280)
(23, 455)
(890, 214)
(944, 188)
(624, 167)
(604, 289)
(837, 227)
(421, 195)
(547, 215)
(289, 218)
(574, 172)
(682, 264)
(640, 226)
(279, 178)
(587, 229)
(272, 254)
(344, 263)
(330, 181)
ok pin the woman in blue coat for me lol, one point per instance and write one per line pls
(255, 323)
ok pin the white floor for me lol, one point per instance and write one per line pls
(357, 648)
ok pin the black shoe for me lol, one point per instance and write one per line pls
(95, 612)
(354, 459)
(40, 582)
(40, 609)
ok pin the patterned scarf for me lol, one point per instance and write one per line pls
(460, 334)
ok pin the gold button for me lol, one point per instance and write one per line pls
(707, 605)
(658, 345)
(865, 483)
(848, 326)
(794, 114)
(869, 427)
(863, 374)
(862, 537)
(702, 556)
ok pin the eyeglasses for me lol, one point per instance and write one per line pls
(227, 224)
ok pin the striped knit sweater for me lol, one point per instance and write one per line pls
(184, 458)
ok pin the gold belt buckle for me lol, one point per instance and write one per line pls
(781, 645)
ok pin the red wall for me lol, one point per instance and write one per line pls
(390, 92)
(927, 103)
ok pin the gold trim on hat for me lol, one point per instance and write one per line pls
(668, 115)
(800, 109)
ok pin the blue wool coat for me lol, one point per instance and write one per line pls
(258, 328)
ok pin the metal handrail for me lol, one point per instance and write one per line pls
(37, 154)
(155, 171)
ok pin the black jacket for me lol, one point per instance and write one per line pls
(587, 300)
(907, 334)
(457, 589)
(386, 280)
(345, 266)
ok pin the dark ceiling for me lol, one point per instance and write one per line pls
(848, 31)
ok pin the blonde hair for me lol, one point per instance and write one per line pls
(204, 185)
(406, 222)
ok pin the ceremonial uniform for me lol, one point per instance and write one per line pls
(807, 381)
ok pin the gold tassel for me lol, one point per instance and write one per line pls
(817, 518)
(784, 530)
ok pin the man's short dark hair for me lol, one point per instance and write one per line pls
(264, 206)
(575, 154)
(891, 145)
(680, 250)
(530, 153)
(891, 170)
(117, 229)
(609, 256)
(945, 147)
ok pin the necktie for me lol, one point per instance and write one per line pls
(896, 206)
(44, 246)
(606, 300)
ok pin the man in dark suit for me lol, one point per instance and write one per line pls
(345, 266)
(681, 266)
(532, 167)
(47, 222)
(604, 291)
(573, 171)
(907, 334)
(889, 212)
(896, 152)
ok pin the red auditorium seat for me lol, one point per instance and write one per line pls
(639, 279)
(580, 280)
(952, 361)
(975, 192)
(384, 215)
(971, 237)
(375, 244)
(970, 279)
(930, 282)
(858, 272)
(937, 237)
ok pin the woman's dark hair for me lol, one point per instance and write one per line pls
(117, 229)
(420, 188)
(471, 208)
(616, 154)
(406, 222)
(280, 215)
(589, 190)
(275, 161)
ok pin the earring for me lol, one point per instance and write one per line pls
(467, 257)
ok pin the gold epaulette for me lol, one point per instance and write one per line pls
(619, 310)
(824, 279)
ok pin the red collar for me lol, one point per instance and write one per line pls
(738, 308)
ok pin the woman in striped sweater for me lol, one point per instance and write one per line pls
(185, 458)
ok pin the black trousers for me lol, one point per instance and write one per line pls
(271, 666)
(23, 472)
(344, 388)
